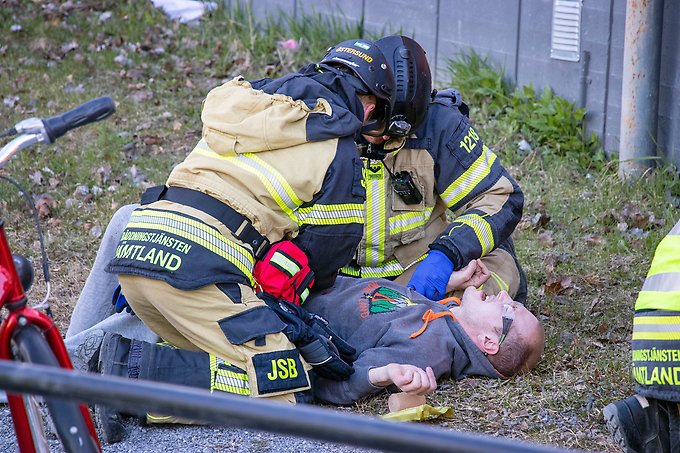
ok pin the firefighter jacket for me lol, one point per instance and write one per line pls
(656, 325)
(384, 322)
(281, 153)
(453, 169)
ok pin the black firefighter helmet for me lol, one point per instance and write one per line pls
(367, 62)
(413, 83)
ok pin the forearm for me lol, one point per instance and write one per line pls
(483, 224)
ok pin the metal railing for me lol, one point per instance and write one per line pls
(252, 413)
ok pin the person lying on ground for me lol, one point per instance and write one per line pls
(401, 339)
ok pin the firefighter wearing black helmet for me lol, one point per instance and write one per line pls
(276, 164)
(430, 161)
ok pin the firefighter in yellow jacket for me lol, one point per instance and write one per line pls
(276, 163)
(649, 421)
(438, 165)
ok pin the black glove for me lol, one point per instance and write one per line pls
(346, 351)
(329, 355)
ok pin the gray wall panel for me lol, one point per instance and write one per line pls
(493, 34)
(534, 43)
(612, 127)
(349, 10)
(669, 96)
(263, 8)
(419, 23)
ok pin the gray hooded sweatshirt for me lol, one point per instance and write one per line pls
(379, 318)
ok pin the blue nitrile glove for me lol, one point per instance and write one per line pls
(432, 275)
(121, 302)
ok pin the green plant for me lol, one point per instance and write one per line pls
(479, 82)
(544, 120)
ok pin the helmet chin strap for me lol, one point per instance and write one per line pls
(376, 152)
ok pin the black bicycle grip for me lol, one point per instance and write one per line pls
(89, 112)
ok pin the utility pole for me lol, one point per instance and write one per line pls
(640, 91)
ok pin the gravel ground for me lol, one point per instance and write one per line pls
(194, 439)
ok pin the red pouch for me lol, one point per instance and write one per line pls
(284, 273)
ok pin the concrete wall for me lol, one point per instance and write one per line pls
(516, 36)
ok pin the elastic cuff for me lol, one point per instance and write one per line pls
(452, 255)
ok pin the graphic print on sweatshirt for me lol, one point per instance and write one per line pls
(378, 299)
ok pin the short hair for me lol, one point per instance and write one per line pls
(512, 355)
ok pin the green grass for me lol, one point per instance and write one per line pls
(600, 235)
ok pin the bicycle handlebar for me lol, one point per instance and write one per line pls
(36, 130)
(89, 112)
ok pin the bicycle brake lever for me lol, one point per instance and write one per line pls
(33, 126)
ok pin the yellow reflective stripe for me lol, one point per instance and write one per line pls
(351, 271)
(224, 380)
(389, 269)
(667, 258)
(274, 182)
(331, 214)
(289, 265)
(643, 320)
(213, 369)
(196, 232)
(375, 215)
(658, 300)
(666, 282)
(409, 221)
(481, 228)
(159, 418)
(466, 182)
(656, 335)
(502, 285)
(303, 296)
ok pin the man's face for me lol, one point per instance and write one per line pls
(486, 312)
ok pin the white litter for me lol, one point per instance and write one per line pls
(184, 10)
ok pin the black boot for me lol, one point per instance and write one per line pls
(639, 424)
(113, 360)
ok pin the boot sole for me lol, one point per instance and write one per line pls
(611, 417)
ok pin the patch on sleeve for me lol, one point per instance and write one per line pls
(279, 371)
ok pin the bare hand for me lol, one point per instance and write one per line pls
(408, 378)
(474, 274)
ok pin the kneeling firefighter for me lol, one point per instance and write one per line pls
(276, 164)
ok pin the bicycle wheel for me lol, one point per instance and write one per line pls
(66, 416)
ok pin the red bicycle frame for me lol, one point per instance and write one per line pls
(13, 297)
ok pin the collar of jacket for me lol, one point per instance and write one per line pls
(338, 83)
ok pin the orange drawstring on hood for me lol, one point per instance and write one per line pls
(429, 315)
